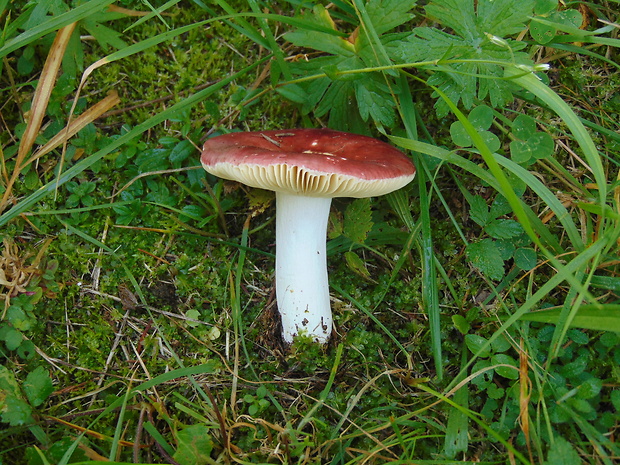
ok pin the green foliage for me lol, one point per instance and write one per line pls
(130, 208)
(257, 403)
(343, 94)
(469, 61)
(529, 145)
(16, 405)
(506, 239)
(194, 445)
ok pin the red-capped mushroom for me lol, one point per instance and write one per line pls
(306, 168)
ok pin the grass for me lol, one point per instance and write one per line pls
(477, 316)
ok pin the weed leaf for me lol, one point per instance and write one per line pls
(480, 36)
(358, 221)
(487, 257)
(195, 445)
(38, 386)
(341, 85)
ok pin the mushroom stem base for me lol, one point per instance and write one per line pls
(302, 289)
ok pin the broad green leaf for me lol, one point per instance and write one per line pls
(525, 258)
(505, 372)
(38, 386)
(13, 410)
(12, 338)
(481, 117)
(562, 452)
(181, 151)
(486, 256)
(479, 211)
(523, 127)
(18, 318)
(544, 33)
(461, 324)
(503, 229)
(457, 429)
(194, 446)
(475, 343)
(358, 220)
(590, 388)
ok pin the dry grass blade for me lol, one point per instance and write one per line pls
(76, 125)
(15, 273)
(39, 103)
(44, 91)
(72, 128)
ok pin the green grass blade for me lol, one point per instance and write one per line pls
(604, 317)
(532, 84)
(31, 34)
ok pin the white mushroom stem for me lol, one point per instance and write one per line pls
(302, 290)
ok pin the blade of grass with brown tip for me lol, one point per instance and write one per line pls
(44, 91)
(63, 136)
(76, 169)
(90, 115)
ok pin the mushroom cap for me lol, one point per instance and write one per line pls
(310, 162)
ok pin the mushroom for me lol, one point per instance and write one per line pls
(306, 168)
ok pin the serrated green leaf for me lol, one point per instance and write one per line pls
(486, 256)
(104, 35)
(500, 207)
(479, 211)
(506, 248)
(503, 229)
(562, 452)
(374, 100)
(337, 93)
(194, 446)
(38, 386)
(388, 14)
(358, 220)
(477, 26)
